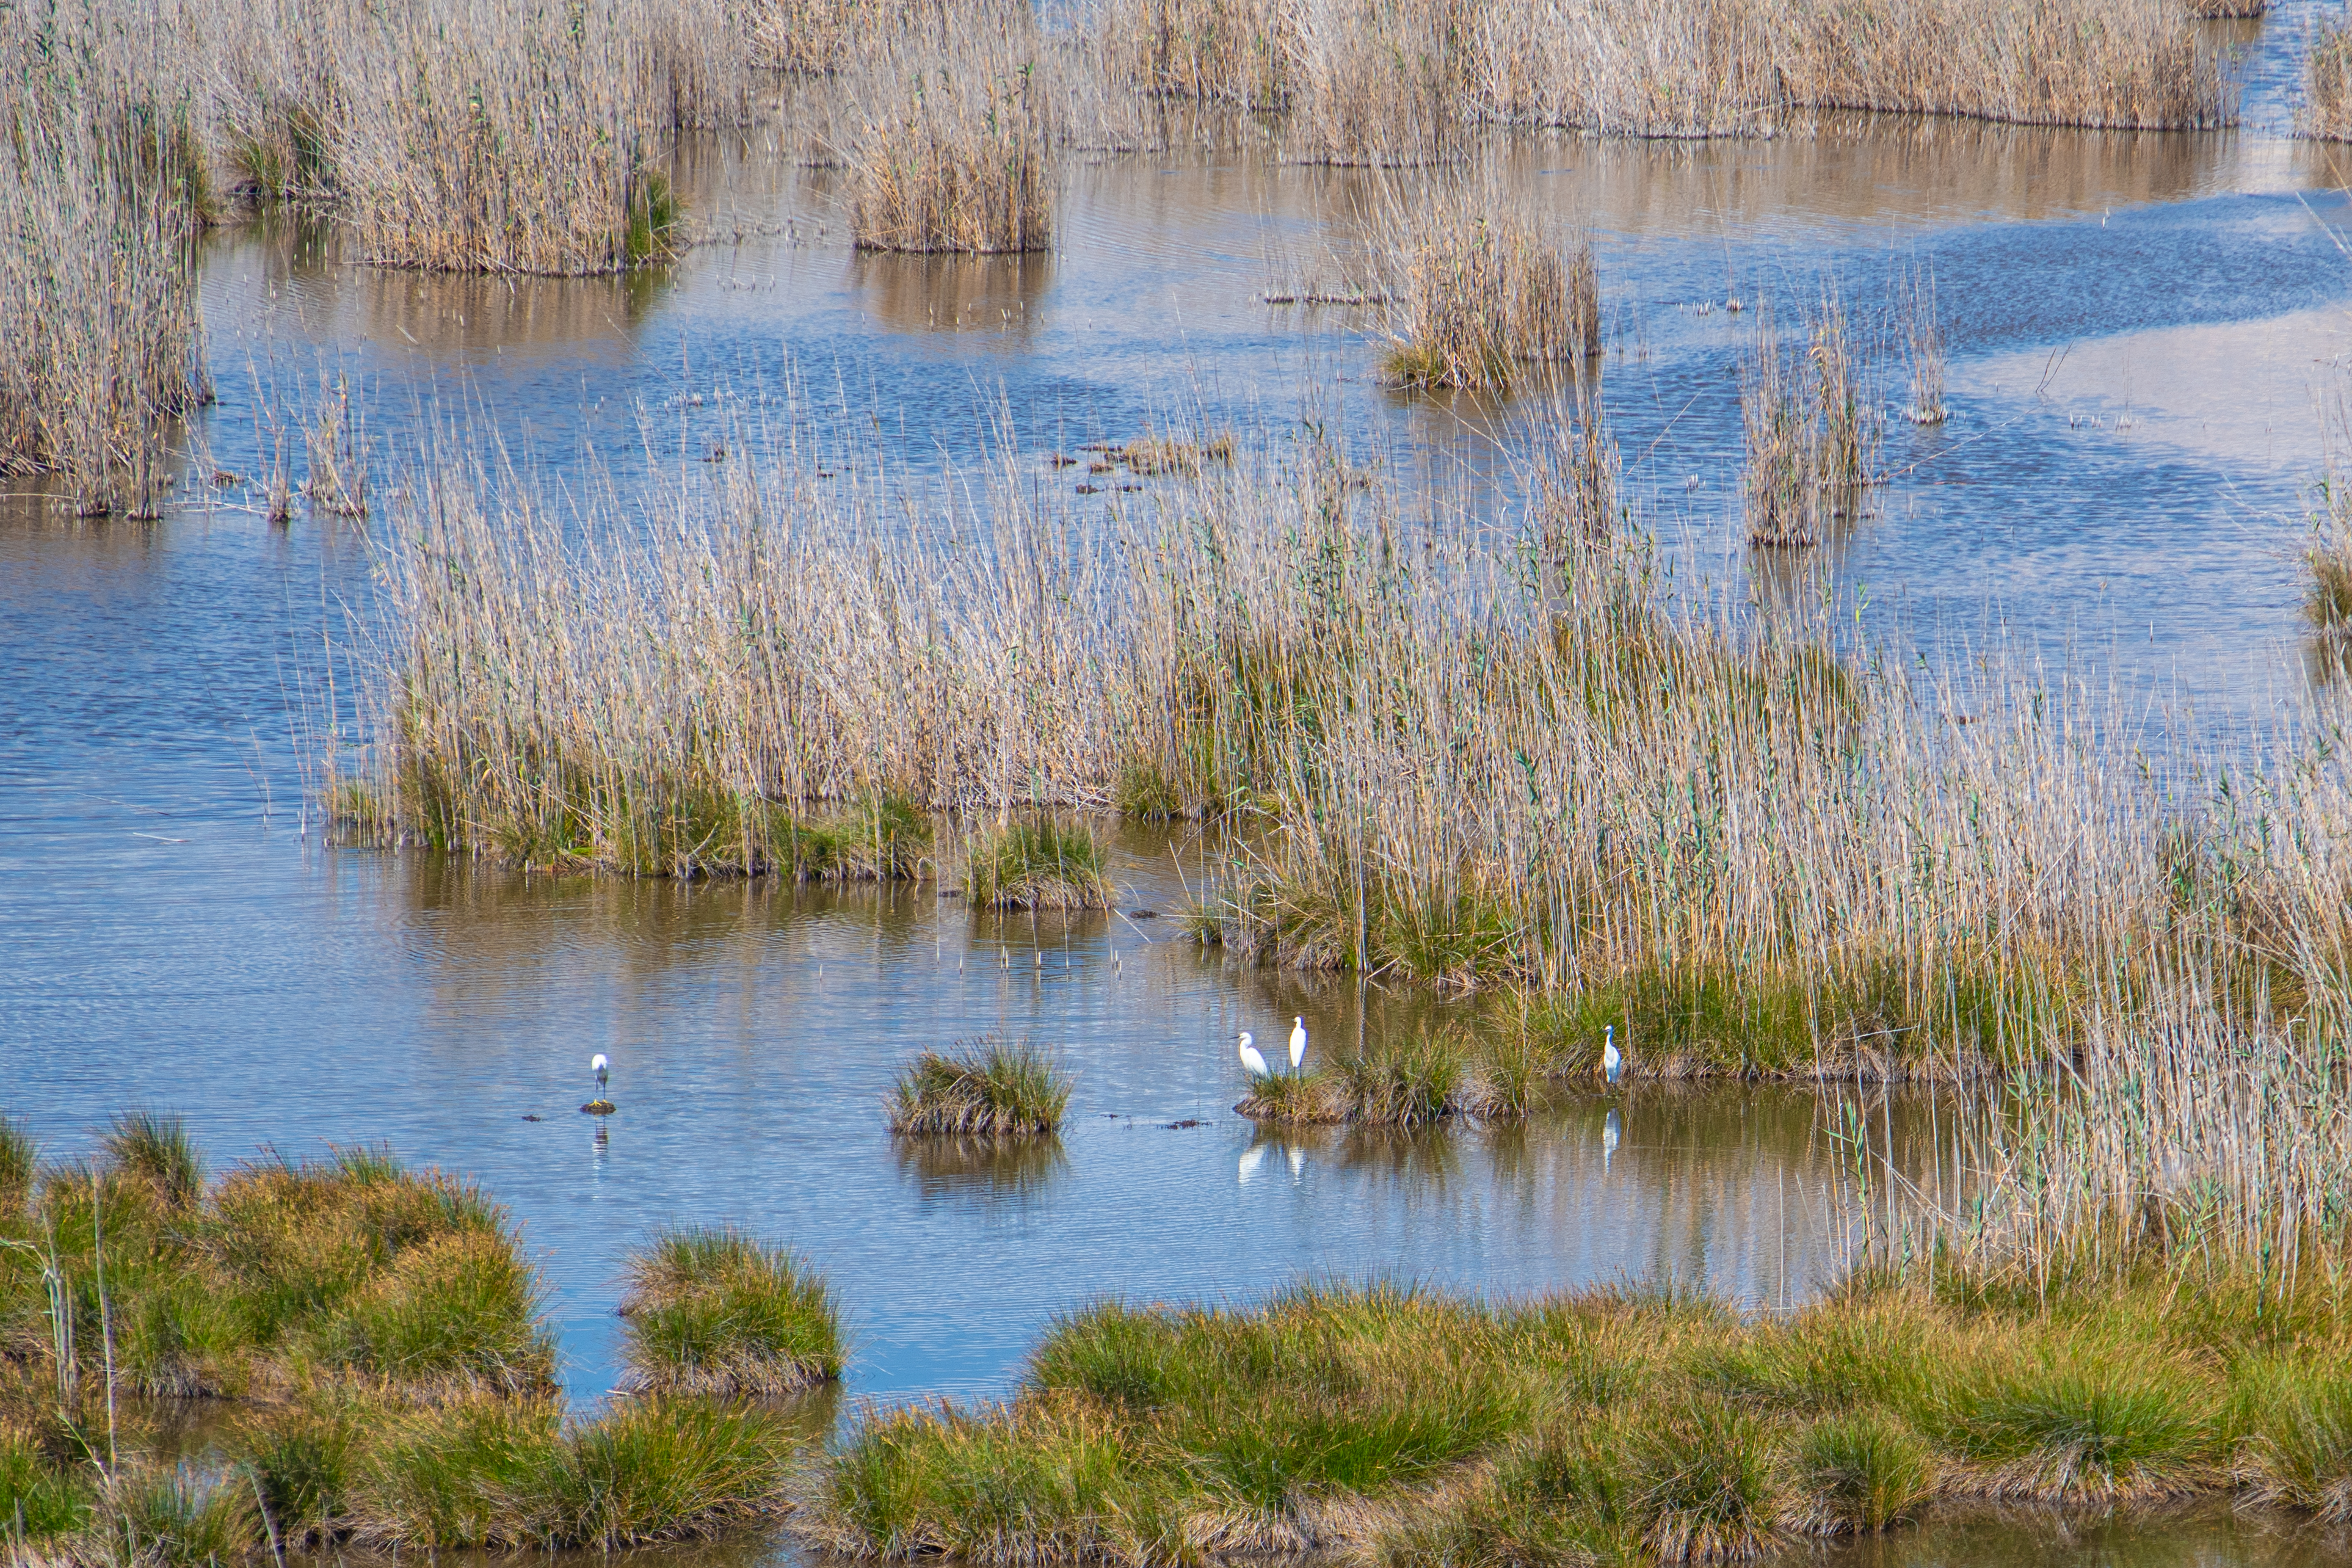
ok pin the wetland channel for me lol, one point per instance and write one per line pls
(2143, 332)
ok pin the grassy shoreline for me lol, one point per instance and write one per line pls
(1611, 1425)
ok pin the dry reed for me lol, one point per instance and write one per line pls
(450, 133)
(1923, 343)
(1482, 290)
(1397, 81)
(1455, 758)
(1782, 426)
(952, 142)
(2327, 81)
(1811, 431)
(101, 335)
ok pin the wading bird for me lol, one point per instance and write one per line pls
(1610, 1062)
(1251, 1060)
(1298, 1042)
(599, 1066)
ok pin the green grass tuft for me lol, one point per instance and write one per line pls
(157, 1150)
(1857, 1473)
(1038, 865)
(711, 1310)
(986, 1087)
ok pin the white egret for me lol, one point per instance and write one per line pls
(599, 1066)
(1611, 1063)
(1298, 1042)
(1252, 1060)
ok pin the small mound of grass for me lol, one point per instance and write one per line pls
(987, 1088)
(157, 1150)
(712, 1310)
(2298, 1446)
(1038, 865)
(1857, 1474)
(2082, 1424)
(884, 838)
(1703, 1488)
(1400, 1083)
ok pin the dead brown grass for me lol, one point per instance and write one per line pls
(1484, 290)
(953, 144)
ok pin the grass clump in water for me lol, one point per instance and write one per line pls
(712, 1310)
(1483, 293)
(1038, 865)
(1406, 1082)
(954, 145)
(987, 1088)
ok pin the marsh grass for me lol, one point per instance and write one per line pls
(1921, 326)
(1391, 81)
(1039, 864)
(987, 1088)
(101, 329)
(277, 1276)
(714, 1312)
(1404, 1082)
(1811, 432)
(1417, 1427)
(503, 1474)
(1782, 428)
(2327, 81)
(2328, 557)
(953, 142)
(1484, 292)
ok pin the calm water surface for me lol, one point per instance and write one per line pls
(2144, 332)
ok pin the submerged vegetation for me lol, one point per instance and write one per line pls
(383, 1337)
(985, 1089)
(716, 1312)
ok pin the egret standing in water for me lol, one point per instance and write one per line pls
(1297, 1043)
(599, 1066)
(1612, 1064)
(1252, 1060)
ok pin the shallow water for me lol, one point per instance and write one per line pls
(2143, 330)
